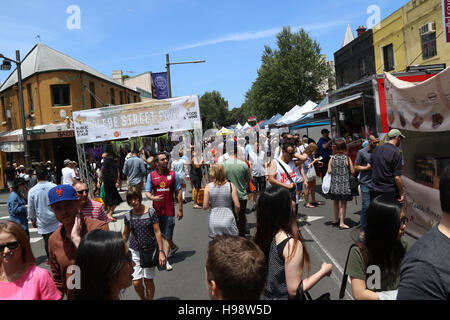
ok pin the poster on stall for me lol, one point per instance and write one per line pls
(423, 107)
(137, 119)
(423, 207)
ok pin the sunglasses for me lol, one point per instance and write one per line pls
(10, 245)
(83, 191)
(163, 159)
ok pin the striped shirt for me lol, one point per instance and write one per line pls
(94, 210)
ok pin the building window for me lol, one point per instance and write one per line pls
(128, 98)
(60, 95)
(135, 99)
(388, 57)
(121, 97)
(428, 45)
(92, 93)
(362, 67)
(30, 98)
(113, 96)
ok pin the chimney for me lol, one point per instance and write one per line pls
(361, 30)
(117, 75)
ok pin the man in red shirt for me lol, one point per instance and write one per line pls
(160, 188)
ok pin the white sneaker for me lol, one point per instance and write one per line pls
(172, 251)
(168, 266)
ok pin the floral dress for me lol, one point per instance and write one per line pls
(340, 183)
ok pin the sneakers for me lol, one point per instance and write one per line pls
(172, 251)
(168, 266)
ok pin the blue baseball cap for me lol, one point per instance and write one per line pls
(61, 192)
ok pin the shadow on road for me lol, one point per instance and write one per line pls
(181, 256)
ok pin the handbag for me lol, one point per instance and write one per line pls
(311, 174)
(365, 255)
(301, 295)
(353, 181)
(292, 192)
(149, 255)
(326, 183)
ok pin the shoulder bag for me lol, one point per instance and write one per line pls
(352, 180)
(292, 191)
(149, 255)
(365, 255)
(301, 295)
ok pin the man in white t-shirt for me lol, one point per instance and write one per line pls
(68, 174)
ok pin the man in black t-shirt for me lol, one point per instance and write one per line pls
(386, 163)
(10, 174)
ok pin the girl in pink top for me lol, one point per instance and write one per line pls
(20, 278)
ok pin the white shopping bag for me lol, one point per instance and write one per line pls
(326, 183)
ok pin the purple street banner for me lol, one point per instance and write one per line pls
(446, 16)
(161, 85)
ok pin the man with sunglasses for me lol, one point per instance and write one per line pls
(64, 242)
(88, 207)
(162, 184)
(39, 213)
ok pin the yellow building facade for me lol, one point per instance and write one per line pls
(424, 34)
(411, 36)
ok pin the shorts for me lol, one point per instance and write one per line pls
(300, 186)
(260, 183)
(167, 224)
(139, 272)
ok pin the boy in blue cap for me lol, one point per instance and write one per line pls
(63, 243)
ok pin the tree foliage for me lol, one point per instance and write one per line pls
(290, 75)
(213, 108)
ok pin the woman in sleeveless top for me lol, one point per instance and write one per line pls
(338, 168)
(220, 197)
(279, 237)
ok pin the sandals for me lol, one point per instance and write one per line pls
(309, 206)
(317, 203)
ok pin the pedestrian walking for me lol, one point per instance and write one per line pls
(362, 165)
(196, 175)
(179, 166)
(50, 171)
(325, 150)
(17, 204)
(279, 237)
(340, 167)
(105, 266)
(109, 177)
(237, 172)
(142, 228)
(134, 168)
(68, 173)
(382, 248)
(235, 269)
(256, 158)
(33, 178)
(222, 200)
(162, 184)
(424, 274)
(88, 207)
(386, 163)
(39, 213)
(310, 176)
(20, 278)
(64, 242)
(9, 175)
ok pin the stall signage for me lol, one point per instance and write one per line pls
(35, 131)
(446, 16)
(137, 119)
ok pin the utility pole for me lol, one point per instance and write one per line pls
(168, 63)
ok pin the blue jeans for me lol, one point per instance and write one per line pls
(365, 195)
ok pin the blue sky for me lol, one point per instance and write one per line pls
(136, 35)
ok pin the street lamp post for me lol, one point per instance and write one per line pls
(168, 63)
(22, 109)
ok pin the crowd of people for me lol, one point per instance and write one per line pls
(274, 264)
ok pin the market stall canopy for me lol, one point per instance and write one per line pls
(287, 115)
(238, 126)
(297, 113)
(271, 120)
(336, 103)
(421, 107)
(246, 126)
(224, 132)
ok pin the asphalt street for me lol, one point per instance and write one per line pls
(186, 281)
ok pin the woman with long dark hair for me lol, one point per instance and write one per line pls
(105, 266)
(111, 179)
(279, 237)
(382, 250)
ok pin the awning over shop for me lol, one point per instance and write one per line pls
(41, 132)
(336, 103)
(307, 124)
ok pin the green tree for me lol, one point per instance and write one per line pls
(290, 75)
(213, 108)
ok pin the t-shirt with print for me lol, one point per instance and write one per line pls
(141, 227)
(355, 269)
